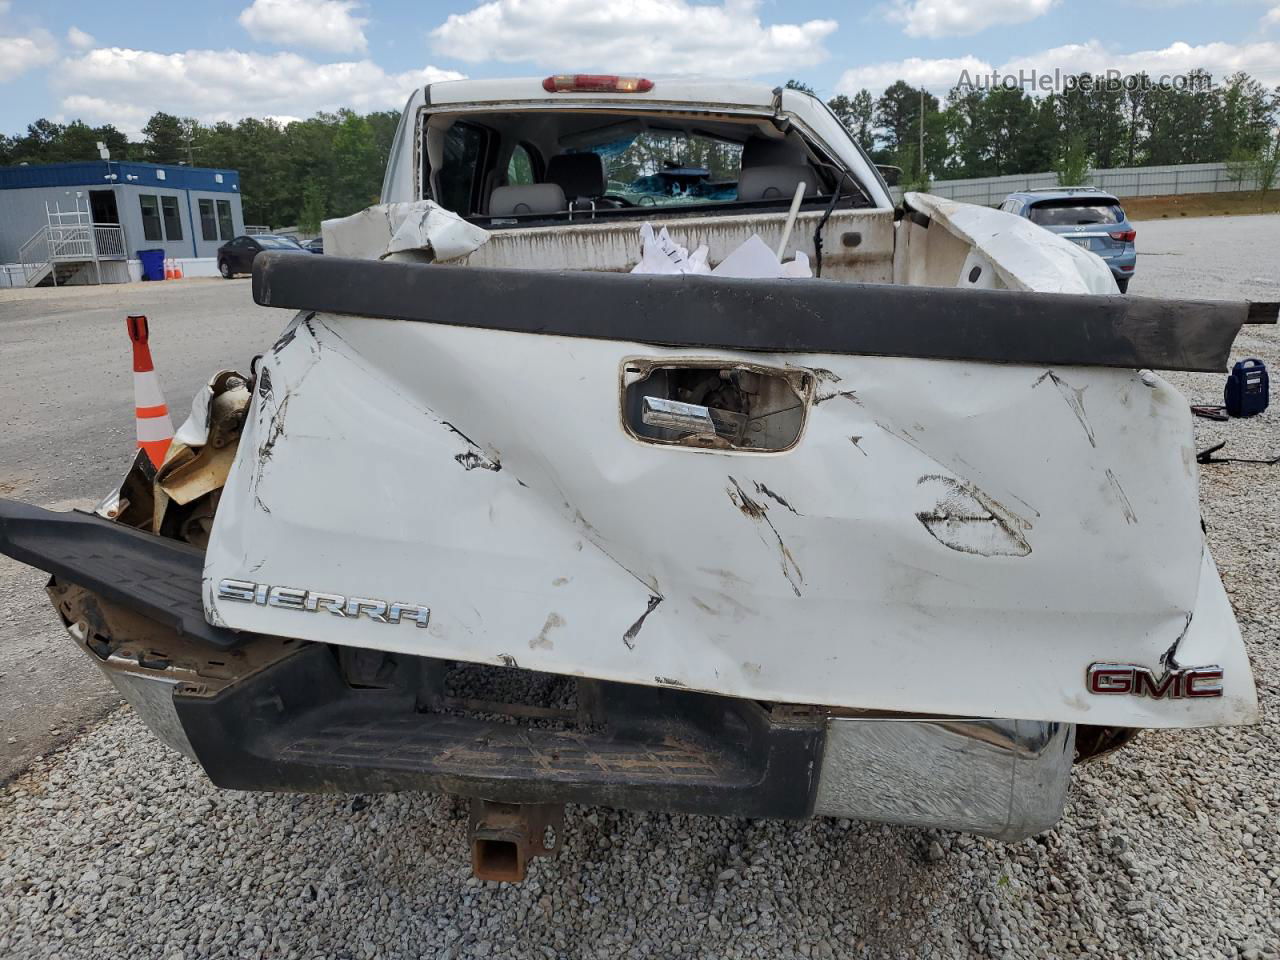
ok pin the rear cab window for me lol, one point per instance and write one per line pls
(684, 163)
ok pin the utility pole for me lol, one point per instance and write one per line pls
(922, 133)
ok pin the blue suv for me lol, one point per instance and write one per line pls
(1086, 216)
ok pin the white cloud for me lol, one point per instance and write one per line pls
(662, 36)
(319, 24)
(21, 53)
(940, 74)
(961, 18)
(211, 85)
(1260, 60)
(1272, 17)
(79, 39)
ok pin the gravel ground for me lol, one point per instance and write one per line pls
(1170, 848)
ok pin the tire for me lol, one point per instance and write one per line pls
(224, 268)
(1123, 284)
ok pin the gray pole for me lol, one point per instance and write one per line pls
(922, 133)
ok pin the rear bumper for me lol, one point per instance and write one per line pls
(270, 713)
(299, 726)
(1122, 266)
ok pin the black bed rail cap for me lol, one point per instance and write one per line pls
(769, 316)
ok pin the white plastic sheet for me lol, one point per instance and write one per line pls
(752, 258)
(402, 231)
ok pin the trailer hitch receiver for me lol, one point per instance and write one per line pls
(504, 836)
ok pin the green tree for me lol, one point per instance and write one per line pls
(358, 165)
(1257, 167)
(858, 114)
(898, 117)
(1072, 166)
(169, 139)
(313, 206)
(801, 86)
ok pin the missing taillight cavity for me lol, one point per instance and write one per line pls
(715, 405)
(595, 83)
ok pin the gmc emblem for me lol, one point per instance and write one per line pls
(1135, 681)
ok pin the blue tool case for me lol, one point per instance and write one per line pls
(1247, 388)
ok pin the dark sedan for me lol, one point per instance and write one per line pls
(236, 256)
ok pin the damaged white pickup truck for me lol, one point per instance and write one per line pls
(902, 541)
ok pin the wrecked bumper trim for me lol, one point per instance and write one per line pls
(775, 316)
(1001, 778)
(297, 725)
(155, 576)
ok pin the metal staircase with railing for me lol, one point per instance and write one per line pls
(71, 249)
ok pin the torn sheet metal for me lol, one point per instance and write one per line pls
(972, 552)
(418, 231)
(1025, 256)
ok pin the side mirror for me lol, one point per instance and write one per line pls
(892, 175)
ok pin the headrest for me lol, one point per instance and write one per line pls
(578, 174)
(531, 198)
(776, 182)
(761, 152)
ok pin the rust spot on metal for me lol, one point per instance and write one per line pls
(629, 638)
(749, 507)
(506, 836)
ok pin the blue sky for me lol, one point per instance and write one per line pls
(289, 58)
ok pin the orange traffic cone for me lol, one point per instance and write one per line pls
(168, 269)
(155, 429)
(177, 270)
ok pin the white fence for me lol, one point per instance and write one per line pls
(1121, 181)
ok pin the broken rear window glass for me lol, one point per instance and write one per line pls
(666, 168)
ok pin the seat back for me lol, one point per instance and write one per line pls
(776, 182)
(526, 199)
(579, 175)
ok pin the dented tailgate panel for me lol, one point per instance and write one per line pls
(945, 537)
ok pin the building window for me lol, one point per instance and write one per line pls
(226, 229)
(150, 217)
(208, 225)
(172, 221)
